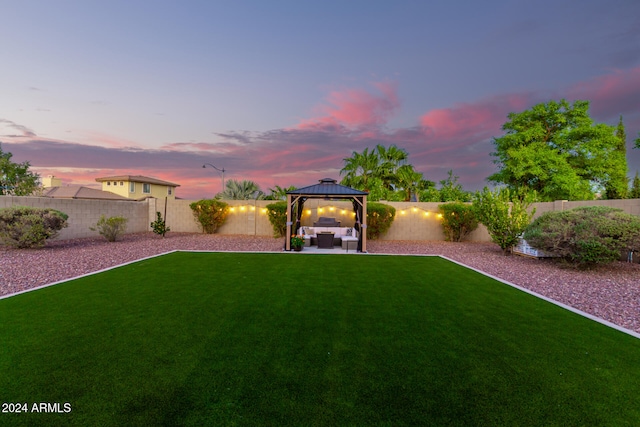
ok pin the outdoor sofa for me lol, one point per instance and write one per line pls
(345, 237)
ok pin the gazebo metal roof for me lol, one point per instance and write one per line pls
(329, 188)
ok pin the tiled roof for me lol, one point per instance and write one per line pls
(80, 192)
(137, 178)
(328, 187)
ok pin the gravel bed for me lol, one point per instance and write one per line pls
(611, 293)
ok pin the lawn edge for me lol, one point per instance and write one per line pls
(85, 275)
(552, 301)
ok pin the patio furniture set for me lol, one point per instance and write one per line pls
(327, 233)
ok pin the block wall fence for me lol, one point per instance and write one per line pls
(414, 221)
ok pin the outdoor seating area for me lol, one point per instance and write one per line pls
(329, 236)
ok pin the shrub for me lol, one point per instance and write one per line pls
(210, 213)
(27, 227)
(111, 228)
(379, 219)
(458, 220)
(585, 236)
(159, 226)
(505, 220)
(277, 213)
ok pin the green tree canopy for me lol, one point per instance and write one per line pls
(618, 184)
(15, 178)
(556, 150)
(635, 187)
(450, 191)
(384, 173)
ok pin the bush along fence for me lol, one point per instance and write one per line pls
(412, 221)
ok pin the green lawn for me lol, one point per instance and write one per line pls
(327, 340)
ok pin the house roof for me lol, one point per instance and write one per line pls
(80, 192)
(137, 178)
(328, 187)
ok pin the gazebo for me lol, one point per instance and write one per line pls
(328, 189)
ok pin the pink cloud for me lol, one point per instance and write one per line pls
(481, 119)
(610, 95)
(102, 139)
(356, 108)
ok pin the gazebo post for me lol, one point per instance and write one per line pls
(364, 224)
(287, 243)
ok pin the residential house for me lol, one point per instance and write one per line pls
(138, 187)
(80, 192)
(53, 188)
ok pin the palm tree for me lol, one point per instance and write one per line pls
(411, 182)
(279, 193)
(390, 161)
(241, 190)
(360, 169)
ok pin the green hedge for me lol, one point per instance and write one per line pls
(277, 213)
(458, 220)
(379, 219)
(210, 214)
(585, 236)
(27, 227)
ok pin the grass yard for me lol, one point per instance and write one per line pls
(308, 340)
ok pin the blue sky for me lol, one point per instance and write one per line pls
(280, 92)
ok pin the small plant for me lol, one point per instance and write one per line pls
(27, 227)
(277, 213)
(297, 241)
(379, 219)
(159, 226)
(210, 213)
(111, 228)
(458, 220)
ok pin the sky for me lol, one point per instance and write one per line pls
(280, 92)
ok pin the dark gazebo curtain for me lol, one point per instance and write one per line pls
(297, 208)
(297, 223)
(357, 208)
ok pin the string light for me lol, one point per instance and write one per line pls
(416, 209)
(411, 209)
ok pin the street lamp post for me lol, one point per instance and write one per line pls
(219, 170)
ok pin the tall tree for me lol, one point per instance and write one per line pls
(390, 160)
(279, 193)
(635, 187)
(450, 191)
(361, 169)
(384, 173)
(618, 184)
(410, 182)
(556, 150)
(241, 190)
(15, 178)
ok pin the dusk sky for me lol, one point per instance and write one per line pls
(280, 92)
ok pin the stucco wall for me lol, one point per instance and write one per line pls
(246, 216)
(414, 221)
(86, 213)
